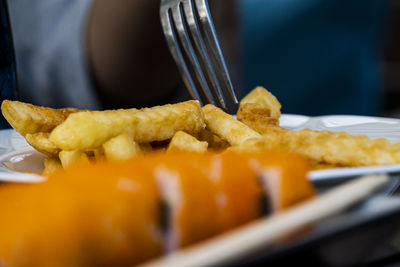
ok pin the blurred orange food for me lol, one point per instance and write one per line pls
(122, 213)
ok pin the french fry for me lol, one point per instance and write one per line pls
(262, 99)
(226, 127)
(327, 147)
(256, 117)
(28, 119)
(86, 130)
(185, 142)
(68, 158)
(121, 134)
(213, 141)
(51, 165)
(121, 147)
(259, 110)
(41, 142)
(162, 122)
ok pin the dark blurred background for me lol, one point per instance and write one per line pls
(7, 66)
(391, 63)
(324, 57)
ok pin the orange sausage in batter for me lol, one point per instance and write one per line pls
(122, 213)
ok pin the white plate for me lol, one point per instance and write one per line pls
(18, 156)
(374, 127)
(19, 162)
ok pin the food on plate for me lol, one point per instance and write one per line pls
(214, 142)
(256, 117)
(125, 133)
(70, 157)
(185, 142)
(226, 127)
(259, 110)
(27, 118)
(263, 99)
(327, 147)
(41, 142)
(90, 129)
(51, 165)
(121, 147)
(126, 212)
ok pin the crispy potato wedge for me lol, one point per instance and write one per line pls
(226, 127)
(327, 147)
(68, 158)
(28, 119)
(121, 147)
(41, 142)
(86, 130)
(185, 142)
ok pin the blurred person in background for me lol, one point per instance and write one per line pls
(317, 56)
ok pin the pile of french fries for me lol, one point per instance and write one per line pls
(68, 136)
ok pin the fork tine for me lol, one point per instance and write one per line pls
(173, 44)
(181, 25)
(211, 37)
(201, 48)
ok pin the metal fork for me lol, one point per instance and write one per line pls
(193, 42)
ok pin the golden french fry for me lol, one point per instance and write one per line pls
(121, 147)
(185, 142)
(256, 117)
(263, 99)
(259, 110)
(40, 141)
(213, 141)
(68, 158)
(226, 127)
(327, 147)
(86, 130)
(51, 165)
(27, 118)
(162, 122)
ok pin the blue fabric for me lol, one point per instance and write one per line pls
(317, 56)
(49, 39)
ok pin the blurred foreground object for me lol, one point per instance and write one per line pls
(119, 214)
